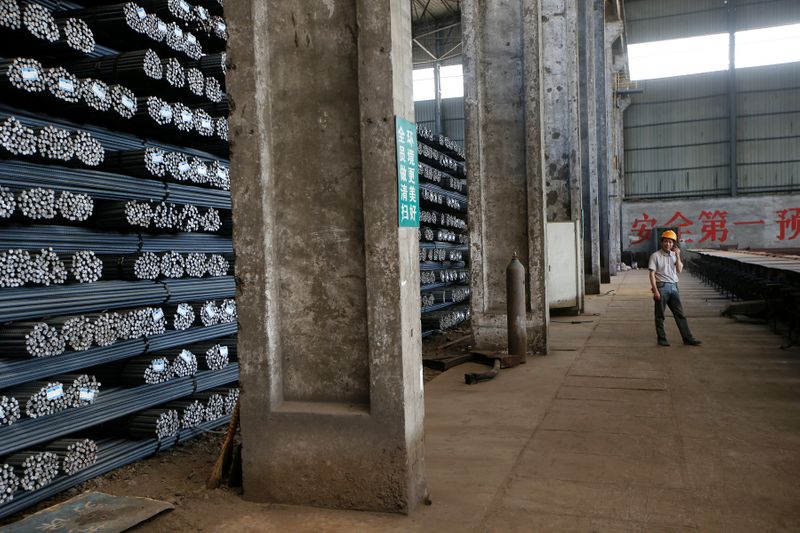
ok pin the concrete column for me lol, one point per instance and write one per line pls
(588, 129)
(327, 284)
(615, 62)
(504, 152)
(561, 136)
(603, 97)
(620, 105)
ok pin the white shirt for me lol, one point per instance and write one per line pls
(663, 264)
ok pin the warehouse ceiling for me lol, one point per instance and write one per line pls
(432, 12)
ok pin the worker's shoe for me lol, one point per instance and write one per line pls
(663, 342)
(692, 342)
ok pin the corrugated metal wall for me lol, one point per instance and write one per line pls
(452, 117)
(676, 138)
(657, 20)
(677, 131)
(768, 128)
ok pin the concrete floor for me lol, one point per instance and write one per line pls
(608, 433)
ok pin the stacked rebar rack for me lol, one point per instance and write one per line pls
(443, 232)
(117, 317)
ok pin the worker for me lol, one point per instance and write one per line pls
(665, 265)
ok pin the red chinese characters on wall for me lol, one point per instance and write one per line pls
(713, 226)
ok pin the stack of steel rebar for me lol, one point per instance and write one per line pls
(74, 455)
(9, 410)
(35, 469)
(9, 482)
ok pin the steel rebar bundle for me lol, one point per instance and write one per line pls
(8, 204)
(159, 110)
(217, 357)
(195, 81)
(182, 117)
(14, 268)
(78, 331)
(173, 71)
(172, 265)
(40, 397)
(9, 482)
(221, 127)
(231, 399)
(96, 94)
(213, 402)
(212, 65)
(442, 320)
(147, 266)
(213, 89)
(35, 469)
(36, 339)
(191, 412)
(182, 316)
(37, 203)
(138, 67)
(75, 207)
(210, 314)
(204, 123)
(146, 369)
(40, 23)
(78, 34)
(196, 265)
(88, 149)
(156, 423)
(227, 311)
(108, 330)
(123, 101)
(86, 267)
(9, 412)
(62, 84)
(81, 389)
(25, 73)
(55, 143)
(11, 18)
(46, 268)
(73, 454)
(16, 138)
(184, 363)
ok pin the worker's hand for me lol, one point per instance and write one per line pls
(676, 250)
(656, 295)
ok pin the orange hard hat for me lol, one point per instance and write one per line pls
(669, 234)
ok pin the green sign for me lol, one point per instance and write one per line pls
(407, 176)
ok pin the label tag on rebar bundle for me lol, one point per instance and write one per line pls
(230, 309)
(221, 173)
(407, 165)
(178, 33)
(86, 395)
(185, 6)
(191, 38)
(99, 91)
(66, 85)
(162, 27)
(221, 26)
(166, 112)
(183, 310)
(158, 365)
(186, 116)
(29, 73)
(202, 170)
(223, 351)
(186, 355)
(54, 392)
(157, 157)
(158, 314)
(183, 166)
(210, 311)
(2, 413)
(141, 13)
(202, 13)
(205, 123)
(127, 102)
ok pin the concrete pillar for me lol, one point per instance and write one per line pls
(504, 152)
(620, 105)
(603, 97)
(561, 136)
(588, 130)
(615, 62)
(327, 284)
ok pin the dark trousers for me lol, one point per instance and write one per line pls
(670, 298)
